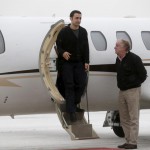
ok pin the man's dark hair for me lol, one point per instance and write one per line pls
(73, 12)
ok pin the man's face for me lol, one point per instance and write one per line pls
(76, 19)
(119, 48)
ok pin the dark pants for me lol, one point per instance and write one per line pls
(60, 84)
(59, 80)
(74, 78)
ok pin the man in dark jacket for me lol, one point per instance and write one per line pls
(130, 75)
(73, 53)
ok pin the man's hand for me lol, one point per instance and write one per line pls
(86, 67)
(66, 55)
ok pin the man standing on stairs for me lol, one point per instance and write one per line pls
(73, 52)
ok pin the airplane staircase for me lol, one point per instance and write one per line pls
(78, 130)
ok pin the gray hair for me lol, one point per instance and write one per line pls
(126, 44)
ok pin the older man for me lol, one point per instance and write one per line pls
(130, 75)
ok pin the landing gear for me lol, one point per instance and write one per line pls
(117, 129)
(113, 120)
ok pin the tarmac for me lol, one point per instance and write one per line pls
(44, 132)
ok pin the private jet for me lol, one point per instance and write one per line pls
(28, 69)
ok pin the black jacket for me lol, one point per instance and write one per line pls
(130, 72)
(78, 47)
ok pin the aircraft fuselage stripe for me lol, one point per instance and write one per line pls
(99, 68)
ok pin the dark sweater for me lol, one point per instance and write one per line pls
(78, 47)
(130, 72)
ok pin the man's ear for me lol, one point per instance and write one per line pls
(71, 18)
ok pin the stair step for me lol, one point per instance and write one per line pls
(78, 115)
(81, 130)
(62, 107)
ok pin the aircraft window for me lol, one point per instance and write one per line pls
(2, 45)
(125, 36)
(99, 40)
(146, 39)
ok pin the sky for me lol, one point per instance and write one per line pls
(89, 8)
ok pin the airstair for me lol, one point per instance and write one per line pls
(80, 129)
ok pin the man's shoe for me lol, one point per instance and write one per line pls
(122, 146)
(79, 109)
(130, 146)
(73, 117)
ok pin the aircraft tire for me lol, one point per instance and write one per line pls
(118, 131)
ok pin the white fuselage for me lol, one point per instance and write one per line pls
(21, 88)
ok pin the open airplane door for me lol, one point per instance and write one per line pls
(80, 129)
(44, 61)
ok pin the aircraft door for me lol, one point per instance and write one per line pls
(45, 61)
(82, 129)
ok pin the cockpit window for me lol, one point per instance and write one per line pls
(99, 40)
(2, 44)
(146, 39)
(125, 36)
